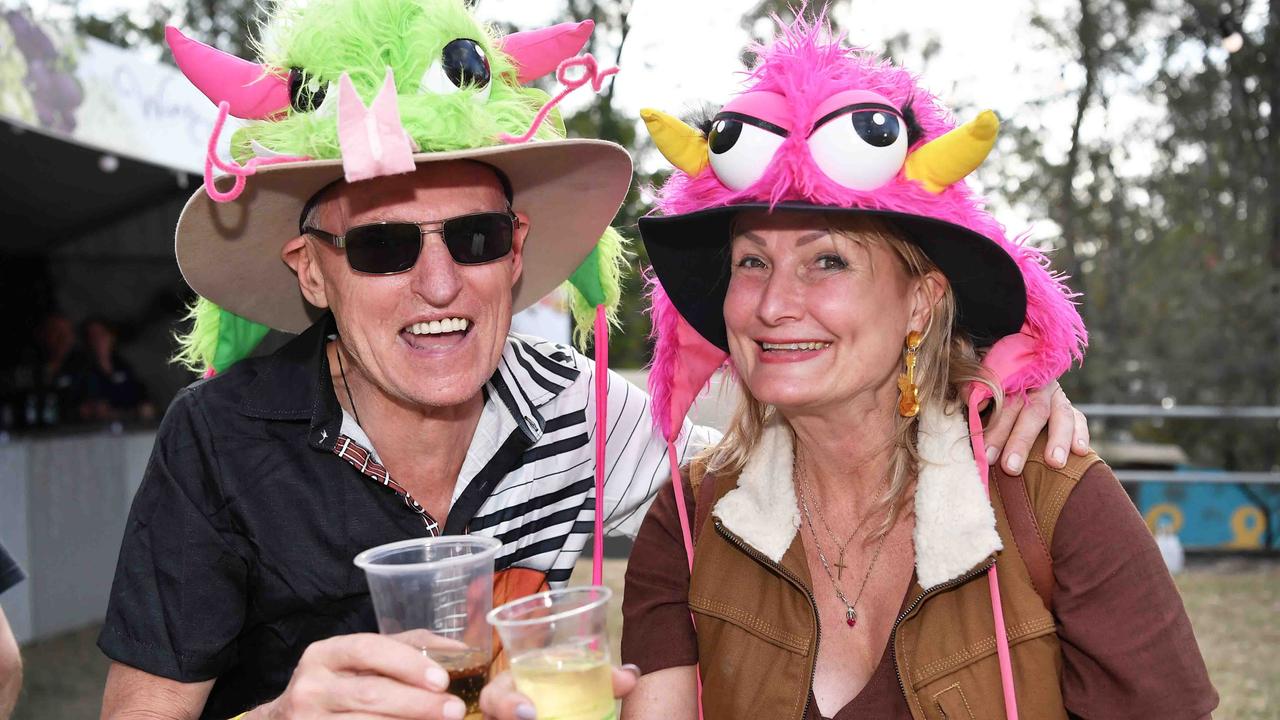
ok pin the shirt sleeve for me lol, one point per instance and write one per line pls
(178, 600)
(657, 632)
(637, 455)
(1127, 644)
(10, 573)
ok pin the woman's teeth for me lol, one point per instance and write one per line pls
(439, 327)
(796, 346)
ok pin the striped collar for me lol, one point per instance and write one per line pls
(531, 372)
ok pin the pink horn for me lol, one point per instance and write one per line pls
(539, 52)
(252, 91)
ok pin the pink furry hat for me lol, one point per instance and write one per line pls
(822, 127)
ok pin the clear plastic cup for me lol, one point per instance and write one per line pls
(435, 593)
(558, 643)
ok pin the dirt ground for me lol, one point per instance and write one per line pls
(1234, 605)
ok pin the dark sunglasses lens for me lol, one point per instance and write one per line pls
(382, 249)
(480, 238)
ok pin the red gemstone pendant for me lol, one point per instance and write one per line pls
(850, 617)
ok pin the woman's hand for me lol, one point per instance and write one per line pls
(1019, 423)
(501, 701)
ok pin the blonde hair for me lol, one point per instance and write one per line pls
(946, 363)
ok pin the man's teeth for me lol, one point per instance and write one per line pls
(797, 346)
(438, 327)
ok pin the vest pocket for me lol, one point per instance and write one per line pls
(750, 623)
(952, 703)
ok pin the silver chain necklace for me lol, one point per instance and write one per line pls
(850, 608)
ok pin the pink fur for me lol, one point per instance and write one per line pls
(664, 318)
(807, 65)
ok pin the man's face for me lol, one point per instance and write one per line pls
(388, 323)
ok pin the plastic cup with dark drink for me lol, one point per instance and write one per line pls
(434, 593)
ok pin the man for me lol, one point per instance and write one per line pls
(403, 409)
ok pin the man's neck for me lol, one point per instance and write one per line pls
(423, 448)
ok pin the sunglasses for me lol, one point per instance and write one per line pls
(387, 248)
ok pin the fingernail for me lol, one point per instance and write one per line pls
(1081, 443)
(993, 453)
(1060, 456)
(454, 709)
(1015, 463)
(632, 668)
(525, 711)
(437, 678)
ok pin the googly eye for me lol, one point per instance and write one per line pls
(742, 147)
(861, 147)
(462, 63)
(306, 92)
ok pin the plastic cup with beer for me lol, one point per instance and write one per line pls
(435, 593)
(558, 644)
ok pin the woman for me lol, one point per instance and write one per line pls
(846, 559)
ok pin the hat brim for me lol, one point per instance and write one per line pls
(690, 255)
(230, 252)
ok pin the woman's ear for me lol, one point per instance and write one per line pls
(929, 291)
(301, 256)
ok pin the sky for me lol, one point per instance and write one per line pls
(682, 54)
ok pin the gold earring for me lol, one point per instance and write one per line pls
(909, 401)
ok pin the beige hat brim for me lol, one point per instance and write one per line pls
(230, 252)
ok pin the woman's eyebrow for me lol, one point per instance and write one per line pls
(816, 235)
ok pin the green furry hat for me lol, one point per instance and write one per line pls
(455, 89)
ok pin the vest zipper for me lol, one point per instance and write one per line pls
(893, 634)
(788, 575)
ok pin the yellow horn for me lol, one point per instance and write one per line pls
(680, 144)
(950, 158)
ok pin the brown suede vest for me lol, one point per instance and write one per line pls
(758, 628)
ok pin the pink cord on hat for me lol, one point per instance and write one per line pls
(976, 396)
(602, 438)
(240, 172)
(590, 72)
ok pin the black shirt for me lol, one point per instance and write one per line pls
(10, 573)
(237, 552)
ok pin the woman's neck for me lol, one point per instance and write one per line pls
(847, 449)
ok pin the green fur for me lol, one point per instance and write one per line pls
(363, 38)
(597, 281)
(196, 348)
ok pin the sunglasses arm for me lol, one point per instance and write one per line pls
(335, 240)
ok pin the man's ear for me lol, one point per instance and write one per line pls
(929, 290)
(517, 247)
(300, 255)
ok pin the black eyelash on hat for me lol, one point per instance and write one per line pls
(914, 131)
(702, 118)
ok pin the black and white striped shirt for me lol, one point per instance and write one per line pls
(529, 475)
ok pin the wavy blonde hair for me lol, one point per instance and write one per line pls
(947, 362)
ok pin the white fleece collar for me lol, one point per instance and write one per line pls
(955, 523)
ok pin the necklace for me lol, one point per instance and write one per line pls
(822, 518)
(850, 608)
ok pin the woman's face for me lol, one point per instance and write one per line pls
(815, 319)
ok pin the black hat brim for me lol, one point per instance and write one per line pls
(690, 255)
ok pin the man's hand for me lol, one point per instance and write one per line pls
(365, 675)
(501, 701)
(1019, 423)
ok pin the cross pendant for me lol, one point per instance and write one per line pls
(840, 566)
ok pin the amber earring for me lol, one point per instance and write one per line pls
(909, 401)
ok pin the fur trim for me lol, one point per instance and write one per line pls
(955, 523)
(762, 510)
